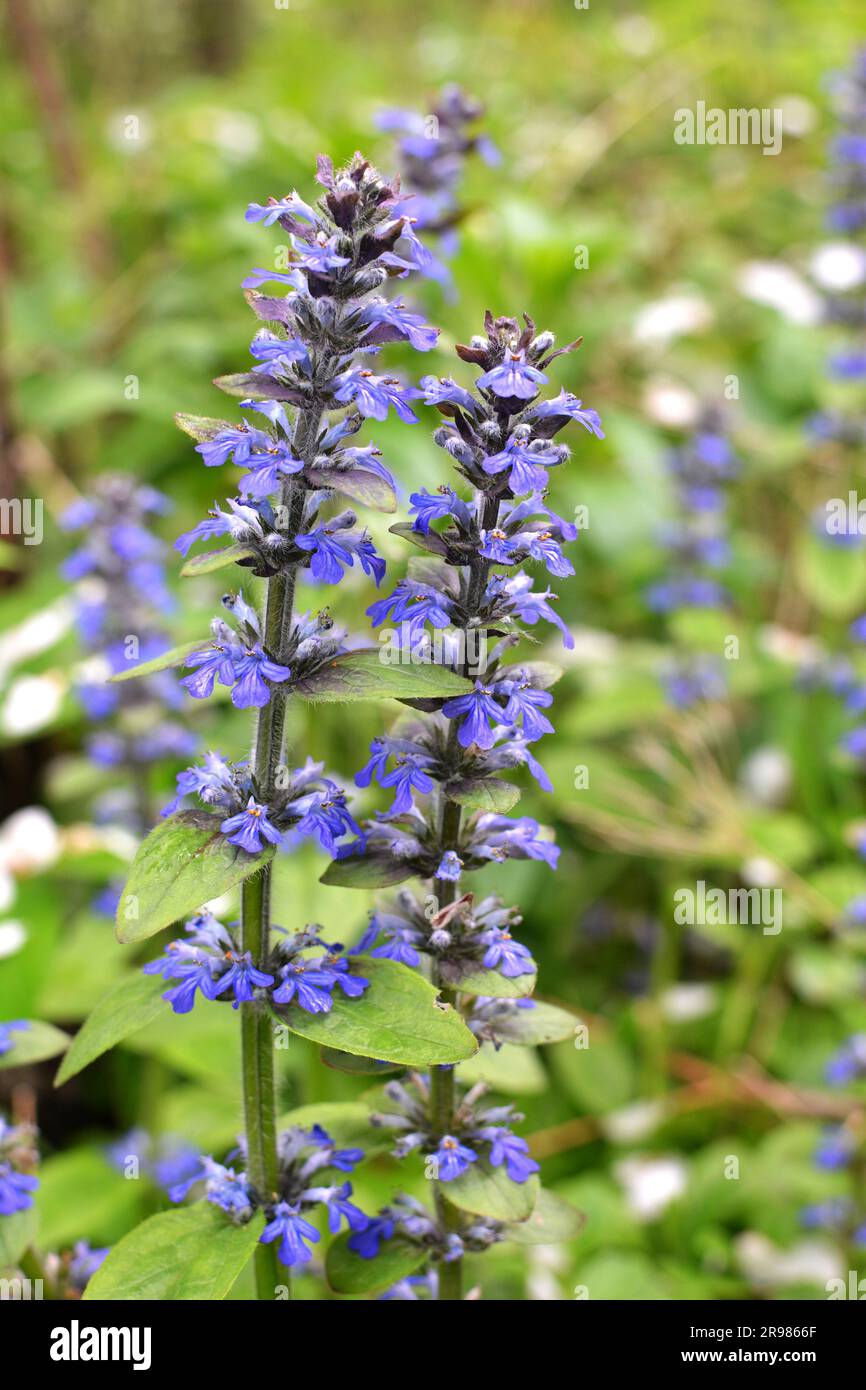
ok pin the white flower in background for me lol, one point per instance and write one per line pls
(29, 841)
(779, 287)
(36, 634)
(636, 34)
(809, 1262)
(839, 265)
(664, 320)
(12, 937)
(670, 404)
(237, 134)
(545, 1263)
(31, 703)
(7, 889)
(765, 776)
(799, 115)
(683, 1003)
(761, 873)
(593, 647)
(633, 1123)
(793, 648)
(650, 1184)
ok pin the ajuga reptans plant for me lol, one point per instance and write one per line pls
(310, 389)
(468, 600)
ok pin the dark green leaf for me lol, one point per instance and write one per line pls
(257, 388)
(184, 862)
(348, 1273)
(398, 1019)
(195, 1253)
(355, 1065)
(366, 871)
(365, 675)
(34, 1043)
(176, 656)
(213, 560)
(488, 1191)
(126, 1007)
(484, 794)
(424, 540)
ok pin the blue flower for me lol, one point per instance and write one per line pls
(306, 984)
(452, 1158)
(237, 441)
(565, 407)
(505, 954)
(478, 707)
(241, 977)
(292, 1230)
(450, 867)
(248, 827)
(251, 671)
(511, 1150)
(408, 775)
(211, 663)
(291, 208)
(366, 1243)
(339, 1208)
(401, 323)
(444, 391)
(7, 1042)
(374, 395)
(16, 1190)
(524, 703)
(513, 377)
(433, 506)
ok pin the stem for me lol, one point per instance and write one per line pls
(442, 1078)
(257, 1041)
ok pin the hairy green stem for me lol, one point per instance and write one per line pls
(257, 1039)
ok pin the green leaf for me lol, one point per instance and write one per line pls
(491, 983)
(424, 540)
(543, 1023)
(354, 1065)
(34, 1043)
(213, 560)
(130, 1004)
(488, 1191)
(257, 388)
(348, 1273)
(195, 1253)
(542, 674)
(365, 871)
(515, 1071)
(175, 657)
(364, 675)
(347, 1122)
(83, 1197)
(183, 863)
(16, 1233)
(398, 1019)
(484, 794)
(359, 484)
(201, 427)
(552, 1220)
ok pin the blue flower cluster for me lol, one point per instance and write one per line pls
(501, 438)
(311, 361)
(432, 150)
(697, 547)
(121, 600)
(208, 961)
(167, 1159)
(461, 937)
(304, 1158)
(840, 1150)
(17, 1155)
